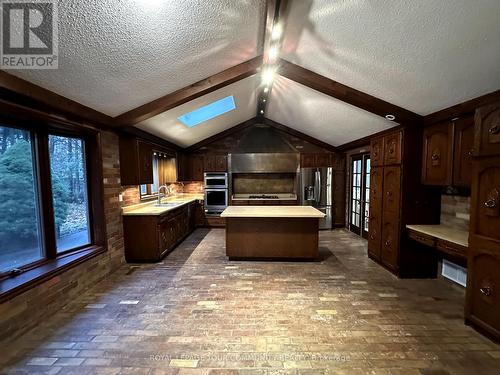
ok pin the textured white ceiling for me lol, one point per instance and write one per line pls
(320, 115)
(118, 55)
(166, 125)
(423, 55)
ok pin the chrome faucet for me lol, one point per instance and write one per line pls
(167, 192)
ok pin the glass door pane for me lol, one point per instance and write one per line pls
(20, 234)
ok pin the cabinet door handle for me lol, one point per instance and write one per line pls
(434, 157)
(471, 152)
(486, 291)
(494, 129)
(388, 243)
(389, 193)
(372, 237)
(490, 203)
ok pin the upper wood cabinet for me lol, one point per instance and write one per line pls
(487, 132)
(377, 152)
(220, 163)
(136, 161)
(437, 155)
(315, 160)
(463, 151)
(392, 148)
(215, 163)
(195, 168)
(386, 150)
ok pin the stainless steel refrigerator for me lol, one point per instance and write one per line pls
(316, 191)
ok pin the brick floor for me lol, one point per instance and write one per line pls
(197, 313)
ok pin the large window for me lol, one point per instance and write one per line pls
(46, 182)
(20, 237)
(69, 192)
(164, 172)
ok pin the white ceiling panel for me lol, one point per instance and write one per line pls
(319, 115)
(423, 55)
(117, 55)
(167, 126)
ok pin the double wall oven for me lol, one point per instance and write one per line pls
(216, 192)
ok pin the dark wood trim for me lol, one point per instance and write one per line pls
(462, 109)
(345, 93)
(223, 134)
(299, 134)
(11, 287)
(365, 141)
(52, 100)
(191, 92)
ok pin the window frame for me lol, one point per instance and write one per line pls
(12, 282)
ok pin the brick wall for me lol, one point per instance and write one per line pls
(28, 309)
(455, 211)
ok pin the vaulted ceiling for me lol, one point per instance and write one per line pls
(419, 56)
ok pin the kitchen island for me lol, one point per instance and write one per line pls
(272, 232)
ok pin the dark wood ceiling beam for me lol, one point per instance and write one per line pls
(345, 93)
(461, 109)
(51, 101)
(191, 92)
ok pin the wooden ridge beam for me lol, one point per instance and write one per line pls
(186, 94)
(345, 93)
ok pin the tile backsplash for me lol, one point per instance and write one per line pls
(131, 195)
(455, 211)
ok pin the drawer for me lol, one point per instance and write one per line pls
(452, 248)
(422, 238)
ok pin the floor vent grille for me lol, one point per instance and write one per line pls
(454, 272)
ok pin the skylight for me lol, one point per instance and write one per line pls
(208, 112)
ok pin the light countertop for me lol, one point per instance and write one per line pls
(273, 211)
(149, 208)
(281, 197)
(443, 232)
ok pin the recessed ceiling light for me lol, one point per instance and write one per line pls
(261, 111)
(266, 89)
(273, 53)
(390, 117)
(268, 76)
(277, 31)
(264, 100)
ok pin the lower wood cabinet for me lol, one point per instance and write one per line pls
(390, 241)
(483, 290)
(148, 238)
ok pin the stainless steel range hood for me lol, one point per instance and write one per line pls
(264, 163)
(263, 149)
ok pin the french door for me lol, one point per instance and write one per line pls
(359, 200)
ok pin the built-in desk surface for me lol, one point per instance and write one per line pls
(443, 232)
